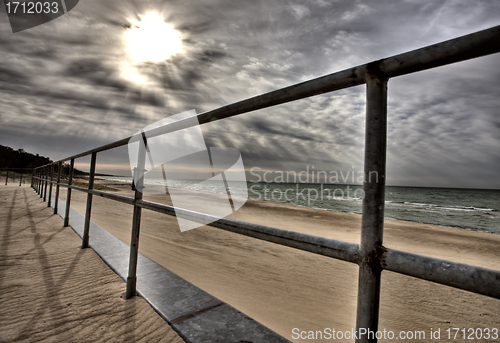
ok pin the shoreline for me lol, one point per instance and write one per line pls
(450, 226)
(390, 218)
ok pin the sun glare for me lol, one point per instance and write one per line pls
(152, 40)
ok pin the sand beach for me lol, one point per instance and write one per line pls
(53, 291)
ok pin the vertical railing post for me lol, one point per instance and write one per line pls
(45, 176)
(41, 182)
(372, 227)
(50, 185)
(32, 174)
(21, 178)
(68, 193)
(86, 229)
(7, 177)
(136, 220)
(38, 181)
(56, 204)
(42, 171)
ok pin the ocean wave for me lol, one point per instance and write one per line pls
(329, 197)
(440, 207)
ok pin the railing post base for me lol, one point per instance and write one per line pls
(131, 287)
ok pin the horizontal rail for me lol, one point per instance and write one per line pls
(120, 198)
(111, 196)
(319, 245)
(458, 275)
(323, 246)
(455, 50)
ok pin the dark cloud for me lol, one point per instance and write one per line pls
(194, 28)
(11, 76)
(279, 130)
(211, 56)
(85, 68)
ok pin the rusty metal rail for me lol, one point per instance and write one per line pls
(371, 256)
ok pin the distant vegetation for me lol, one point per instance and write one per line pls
(15, 160)
(20, 159)
(10, 158)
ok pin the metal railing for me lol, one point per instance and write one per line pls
(24, 173)
(371, 256)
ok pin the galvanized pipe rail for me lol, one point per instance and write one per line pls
(371, 256)
(459, 275)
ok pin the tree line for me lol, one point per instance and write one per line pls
(20, 159)
(10, 158)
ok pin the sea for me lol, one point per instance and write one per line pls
(470, 209)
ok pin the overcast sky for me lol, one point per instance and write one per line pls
(73, 84)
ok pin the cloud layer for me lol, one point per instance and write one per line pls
(69, 85)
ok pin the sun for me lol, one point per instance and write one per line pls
(152, 40)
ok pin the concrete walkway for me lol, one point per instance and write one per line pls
(53, 291)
